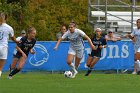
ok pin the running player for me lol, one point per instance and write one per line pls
(135, 36)
(5, 31)
(99, 42)
(23, 48)
(14, 60)
(76, 48)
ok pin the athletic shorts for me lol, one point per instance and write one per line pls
(138, 50)
(95, 54)
(16, 56)
(78, 53)
(3, 52)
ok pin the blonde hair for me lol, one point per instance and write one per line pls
(2, 17)
(30, 29)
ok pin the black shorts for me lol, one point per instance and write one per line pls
(17, 56)
(95, 54)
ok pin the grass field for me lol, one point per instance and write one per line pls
(56, 83)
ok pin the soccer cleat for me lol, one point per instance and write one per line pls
(88, 73)
(74, 74)
(134, 73)
(138, 73)
(9, 77)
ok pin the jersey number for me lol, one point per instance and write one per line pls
(1, 35)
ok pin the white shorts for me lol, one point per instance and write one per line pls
(3, 52)
(78, 53)
(138, 50)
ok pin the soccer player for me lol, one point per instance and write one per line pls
(5, 31)
(76, 48)
(22, 34)
(135, 36)
(99, 42)
(23, 48)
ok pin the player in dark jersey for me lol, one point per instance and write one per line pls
(23, 48)
(99, 42)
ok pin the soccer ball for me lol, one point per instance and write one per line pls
(68, 74)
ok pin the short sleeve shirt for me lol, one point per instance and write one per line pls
(76, 39)
(5, 32)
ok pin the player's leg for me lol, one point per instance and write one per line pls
(14, 63)
(89, 60)
(2, 62)
(92, 64)
(22, 61)
(70, 58)
(3, 57)
(137, 62)
(79, 55)
(77, 62)
(88, 63)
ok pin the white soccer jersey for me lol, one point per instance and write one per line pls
(76, 40)
(18, 39)
(5, 31)
(136, 32)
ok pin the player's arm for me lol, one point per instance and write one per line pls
(90, 42)
(23, 54)
(129, 35)
(57, 44)
(14, 39)
(31, 51)
(104, 45)
(12, 36)
(60, 39)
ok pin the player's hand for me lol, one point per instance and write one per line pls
(134, 39)
(101, 47)
(93, 47)
(17, 42)
(32, 52)
(55, 48)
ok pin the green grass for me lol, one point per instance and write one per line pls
(56, 83)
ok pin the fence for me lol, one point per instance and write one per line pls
(117, 55)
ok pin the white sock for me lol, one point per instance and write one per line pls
(72, 67)
(0, 73)
(138, 65)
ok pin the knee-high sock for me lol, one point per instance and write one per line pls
(138, 65)
(72, 67)
(0, 73)
(15, 71)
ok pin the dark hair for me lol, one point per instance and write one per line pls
(73, 23)
(64, 25)
(30, 29)
(138, 20)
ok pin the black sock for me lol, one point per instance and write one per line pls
(14, 72)
(88, 72)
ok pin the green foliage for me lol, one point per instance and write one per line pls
(46, 15)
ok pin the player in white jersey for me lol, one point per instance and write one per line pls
(135, 36)
(76, 48)
(5, 31)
